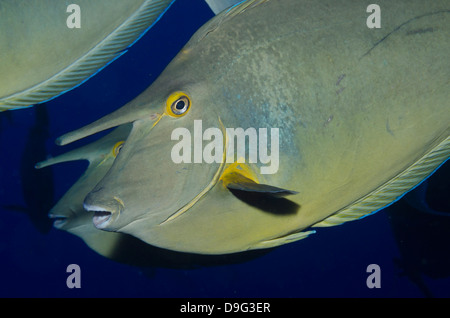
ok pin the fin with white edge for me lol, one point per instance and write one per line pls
(394, 189)
(81, 56)
(218, 6)
(283, 240)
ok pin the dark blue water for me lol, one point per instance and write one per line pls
(331, 263)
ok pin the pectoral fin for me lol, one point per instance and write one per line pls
(240, 180)
(251, 186)
(239, 176)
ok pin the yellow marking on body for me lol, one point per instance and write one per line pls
(237, 171)
(120, 201)
(122, 205)
(106, 157)
(159, 118)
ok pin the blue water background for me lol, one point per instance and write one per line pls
(331, 263)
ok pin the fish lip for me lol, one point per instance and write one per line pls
(60, 220)
(102, 216)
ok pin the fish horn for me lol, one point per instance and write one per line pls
(89, 152)
(123, 115)
(74, 155)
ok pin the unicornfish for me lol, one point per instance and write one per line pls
(339, 120)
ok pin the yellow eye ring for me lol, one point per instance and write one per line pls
(178, 104)
(117, 147)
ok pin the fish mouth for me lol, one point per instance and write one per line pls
(101, 219)
(59, 220)
(106, 214)
(102, 216)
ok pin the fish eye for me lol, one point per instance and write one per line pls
(117, 147)
(178, 104)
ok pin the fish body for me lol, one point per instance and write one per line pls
(42, 55)
(363, 117)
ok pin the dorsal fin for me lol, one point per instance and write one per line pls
(224, 16)
(241, 7)
(217, 6)
(394, 189)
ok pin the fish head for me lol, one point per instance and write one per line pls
(182, 205)
(68, 213)
(186, 206)
(148, 181)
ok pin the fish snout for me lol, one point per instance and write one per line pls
(58, 220)
(106, 208)
(61, 216)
